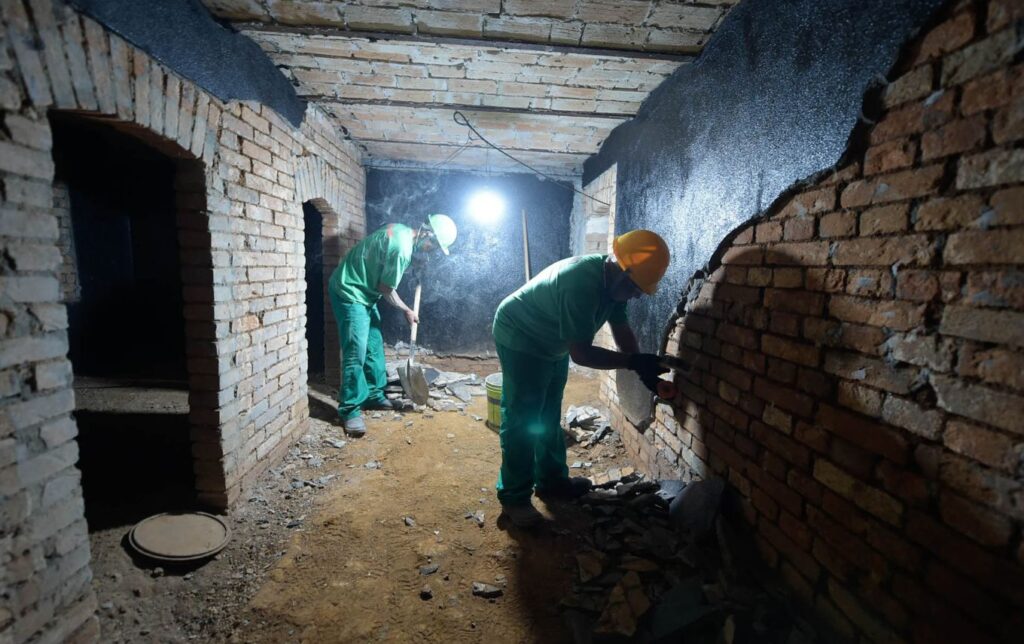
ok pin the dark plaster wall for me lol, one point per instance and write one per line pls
(461, 291)
(184, 36)
(771, 100)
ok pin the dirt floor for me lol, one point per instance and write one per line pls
(336, 543)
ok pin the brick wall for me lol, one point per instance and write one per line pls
(857, 357)
(240, 223)
(67, 272)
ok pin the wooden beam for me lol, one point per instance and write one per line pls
(603, 52)
(480, 146)
(334, 100)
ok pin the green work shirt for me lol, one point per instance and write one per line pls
(565, 303)
(380, 258)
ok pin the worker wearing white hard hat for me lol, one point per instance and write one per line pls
(369, 272)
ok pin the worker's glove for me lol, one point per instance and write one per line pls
(648, 367)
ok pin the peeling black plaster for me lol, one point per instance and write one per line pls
(183, 35)
(462, 291)
(772, 99)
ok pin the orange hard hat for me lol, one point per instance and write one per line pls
(644, 256)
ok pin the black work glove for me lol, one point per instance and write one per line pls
(648, 367)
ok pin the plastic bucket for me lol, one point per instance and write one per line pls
(492, 384)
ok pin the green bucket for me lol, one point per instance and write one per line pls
(493, 385)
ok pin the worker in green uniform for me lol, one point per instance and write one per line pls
(370, 271)
(537, 329)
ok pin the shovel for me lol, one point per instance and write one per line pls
(414, 382)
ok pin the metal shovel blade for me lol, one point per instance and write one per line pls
(414, 382)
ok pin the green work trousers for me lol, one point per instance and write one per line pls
(532, 444)
(363, 370)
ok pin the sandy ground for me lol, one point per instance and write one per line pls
(323, 551)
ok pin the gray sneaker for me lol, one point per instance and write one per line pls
(522, 516)
(355, 426)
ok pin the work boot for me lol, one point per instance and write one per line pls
(383, 404)
(567, 488)
(523, 515)
(355, 426)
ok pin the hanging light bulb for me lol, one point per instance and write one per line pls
(486, 206)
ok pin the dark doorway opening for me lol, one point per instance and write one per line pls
(314, 290)
(126, 320)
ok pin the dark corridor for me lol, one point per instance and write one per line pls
(314, 288)
(127, 328)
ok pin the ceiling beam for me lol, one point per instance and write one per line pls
(333, 100)
(363, 139)
(604, 52)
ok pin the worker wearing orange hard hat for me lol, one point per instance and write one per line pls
(537, 329)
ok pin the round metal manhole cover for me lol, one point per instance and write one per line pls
(180, 537)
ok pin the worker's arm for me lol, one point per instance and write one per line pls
(390, 296)
(587, 355)
(625, 339)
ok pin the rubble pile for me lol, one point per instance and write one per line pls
(586, 425)
(660, 564)
(449, 390)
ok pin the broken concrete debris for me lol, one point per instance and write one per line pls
(586, 425)
(487, 591)
(643, 574)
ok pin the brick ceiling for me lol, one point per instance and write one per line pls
(547, 80)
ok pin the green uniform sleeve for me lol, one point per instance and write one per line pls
(618, 314)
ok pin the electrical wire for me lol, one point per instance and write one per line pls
(465, 121)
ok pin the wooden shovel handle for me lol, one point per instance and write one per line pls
(416, 310)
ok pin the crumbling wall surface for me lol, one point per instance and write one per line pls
(771, 99)
(241, 236)
(858, 354)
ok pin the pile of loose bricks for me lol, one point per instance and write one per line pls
(858, 357)
(243, 173)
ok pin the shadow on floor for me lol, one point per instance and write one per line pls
(134, 465)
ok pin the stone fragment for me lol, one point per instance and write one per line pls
(426, 593)
(409, 521)
(695, 508)
(627, 603)
(429, 569)
(486, 591)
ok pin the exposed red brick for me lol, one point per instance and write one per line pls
(986, 93)
(798, 254)
(788, 277)
(862, 431)
(838, 224)
(783, 397)
(983, 445)
(1008, 122)
(949, 36)
(1007, 207)
(915, 84)
(909, 250)
(869, 282)
(826, 279)
(984, 526)
(890, 155)
(917, 285)
(768, 231)
(1002, 13)
(743, 255)
(955, 137)
(897, 123)
(883, 220)
(998, 366)
(987, 326)
(801, 302)
(858, 398)
(949, 213)
(897, 315)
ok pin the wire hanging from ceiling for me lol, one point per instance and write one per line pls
(465, 122)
